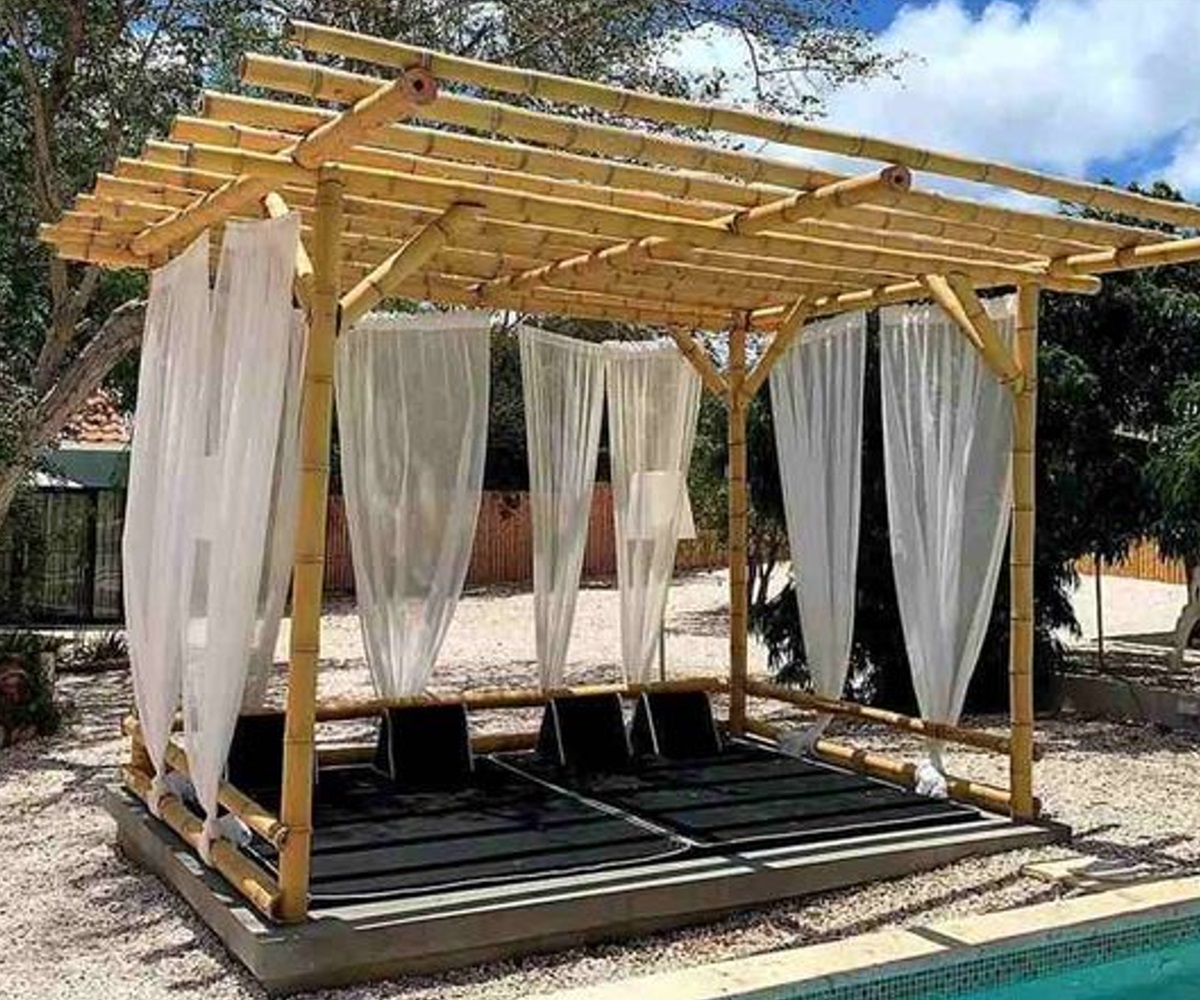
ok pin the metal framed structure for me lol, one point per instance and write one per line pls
(488, 203)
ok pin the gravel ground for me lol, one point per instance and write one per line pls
(77, 920)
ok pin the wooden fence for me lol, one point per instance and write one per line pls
(503, 550)
(1144, 562)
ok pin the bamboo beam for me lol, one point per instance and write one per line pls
(563, 213)
(493, 117)
(257, 817)
(823, 202)
(1021, 553)
(785, 335)
(303, 281)
(412, 90)
(308, 572)
(1183, 251)
(739, 506)
(958, 300)
(1020, 232)
(511, 698)
(993, 742)
(713, 380)
(239, 871)
(410, 258)
(677, 111)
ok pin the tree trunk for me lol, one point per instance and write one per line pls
(81, 376)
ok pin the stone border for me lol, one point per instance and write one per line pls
(869, 957)
(1111, 698)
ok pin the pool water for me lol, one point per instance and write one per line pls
(1168, 973)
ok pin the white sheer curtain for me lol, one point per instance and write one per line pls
(168, 429)
(653, 403)
(281, 534)
(816, 404)
(412, 398)
(251, 350)
(563, 381)
(947, 426)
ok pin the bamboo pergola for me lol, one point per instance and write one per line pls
(410, 184)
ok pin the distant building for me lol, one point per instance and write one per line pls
(60, 553)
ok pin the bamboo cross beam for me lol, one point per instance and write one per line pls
(959, 301)
(713, 380)
(410, 258)
(412, 90)
(1183, 251)
(303, 280)
(572, 134)
(966, 222)
(821, 203)
(785, 335)
(677, 111)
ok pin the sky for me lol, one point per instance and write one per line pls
(1086, 88)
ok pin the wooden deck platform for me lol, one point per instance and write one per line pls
(525, 863)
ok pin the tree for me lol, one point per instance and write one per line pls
(83, 81)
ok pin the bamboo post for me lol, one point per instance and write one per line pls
(302, 283)
(1021, 632)
(738, 524)
(309, 567)
(713, 380)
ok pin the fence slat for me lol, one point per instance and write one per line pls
(503, 551)
(1144, 562)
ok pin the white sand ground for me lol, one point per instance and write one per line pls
(77, 921)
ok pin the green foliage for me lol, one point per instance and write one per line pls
(26, 690)
(1173, 473)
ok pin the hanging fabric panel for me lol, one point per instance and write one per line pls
(156, 548)
(653, 404)
(251, 351)
(563, 382)
(281, 532)
(816, 404)
(412, 399)
(947, 427)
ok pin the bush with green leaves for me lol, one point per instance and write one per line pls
(27, 704)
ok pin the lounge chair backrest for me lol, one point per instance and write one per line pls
(425, 747)
(585, 733)
(677, 725)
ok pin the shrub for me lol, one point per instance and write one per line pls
(27, 706)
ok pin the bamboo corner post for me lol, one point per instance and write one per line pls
(309, 563)
(1021, 628)
(738, 518)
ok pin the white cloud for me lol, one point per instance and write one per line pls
(1062, 85)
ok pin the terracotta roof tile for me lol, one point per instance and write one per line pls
(99, 422)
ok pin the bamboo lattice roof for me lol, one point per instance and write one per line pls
(456, 198)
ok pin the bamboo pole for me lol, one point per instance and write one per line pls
(821, 203)
(1021, 551)
(993, 742)
(410, 258)
(1064, 236)
(573, 134)
(564, 213)
(256, 816)
(713, 380)
(487, 700)
(404, 95)
(1182, 251)
(308, 572)
(785, 335)
(959, 301)
(877, 765)
(739, 504)
(303, 280)
(677, 111)
(239, 871)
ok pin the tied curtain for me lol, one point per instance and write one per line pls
(563, 384)
(212, 482)
(653, 404)
(817, 406)
(245, 488)
(947, 428)
(412, 399)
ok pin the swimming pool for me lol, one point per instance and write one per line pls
(1158, 958)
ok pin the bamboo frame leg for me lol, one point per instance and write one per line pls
(738, 513)
(1021, 558)
(309, 568)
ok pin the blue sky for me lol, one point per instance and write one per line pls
(1086, 88)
